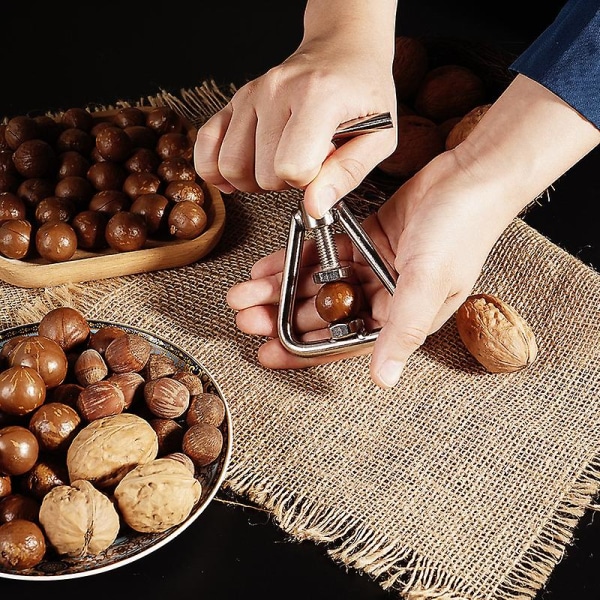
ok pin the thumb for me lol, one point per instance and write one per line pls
(345, 168)
(413, 314)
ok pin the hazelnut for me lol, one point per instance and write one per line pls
(131, 384)
(89, 367)
(203, 443)
(159, 365)
(206, 408)
(126, 353)
(65, 393)
(103, 336)
(169, 433)
(100, 399)
(166, 398)
(191, 381)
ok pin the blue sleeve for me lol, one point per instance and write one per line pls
(565, 58)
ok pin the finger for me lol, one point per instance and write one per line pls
(237, 152)
(414, 309)
(207, 147)
(345, 169)
(305, 143)
(262, 320)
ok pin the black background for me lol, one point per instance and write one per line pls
(63, 54)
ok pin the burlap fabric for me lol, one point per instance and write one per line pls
(457, 484)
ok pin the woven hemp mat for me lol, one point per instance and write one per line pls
(458, 484)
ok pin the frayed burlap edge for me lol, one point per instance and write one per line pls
(349, 543)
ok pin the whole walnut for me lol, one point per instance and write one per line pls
(106, 449)
(157, 495)
(495, 334)
(78, 519)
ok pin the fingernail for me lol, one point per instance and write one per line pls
(326, 199)
(390, 372)
(225, 188)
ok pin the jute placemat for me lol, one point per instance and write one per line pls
(457, 484)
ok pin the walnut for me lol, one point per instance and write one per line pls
(495, 334)
(109, 447)
(157, 495)
(78, 519)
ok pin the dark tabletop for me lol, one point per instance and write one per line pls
(63, 54)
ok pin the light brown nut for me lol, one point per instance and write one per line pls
(89, 367)
(157, 495)
(495, 334)
(127, 353)
(108, 448)
(203, 443)
(78, 519)
(100, 399)
(205, 408)
(166, 398)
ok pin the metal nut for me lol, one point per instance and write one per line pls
(346, 329)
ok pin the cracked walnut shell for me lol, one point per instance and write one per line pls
(78, 519)
(495, 334)
(157, 495)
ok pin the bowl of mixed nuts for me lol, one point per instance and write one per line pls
(112, 442)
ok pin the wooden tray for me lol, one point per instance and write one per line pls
(156, 255)
(88, 266)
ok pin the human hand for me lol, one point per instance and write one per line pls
(425, 230)
(276, 131)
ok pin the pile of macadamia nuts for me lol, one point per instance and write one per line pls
(97, 182)
(100, 431)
